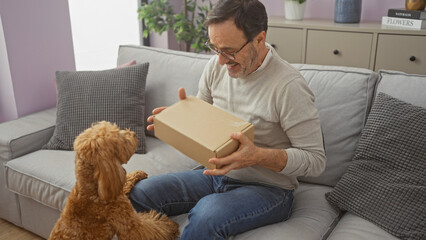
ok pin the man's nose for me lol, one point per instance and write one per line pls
(223, 60)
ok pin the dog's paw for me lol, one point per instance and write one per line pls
(139, 175)
(131, 179)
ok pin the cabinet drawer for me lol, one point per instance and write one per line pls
(401, 53)
(339, 48)
(288, 43)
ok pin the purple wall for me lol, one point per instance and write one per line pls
(372, 10)
(7, 107)
(38, 41)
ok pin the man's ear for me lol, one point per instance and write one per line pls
(260, 39)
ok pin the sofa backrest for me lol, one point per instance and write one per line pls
(168, 71)
(343, 96)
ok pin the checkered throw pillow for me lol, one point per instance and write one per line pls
(386, 181)
(85, 97)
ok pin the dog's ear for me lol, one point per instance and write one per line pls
(115, 151)
(111, 177)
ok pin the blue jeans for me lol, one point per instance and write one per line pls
(218, 206)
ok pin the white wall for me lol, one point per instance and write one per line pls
(99, 27)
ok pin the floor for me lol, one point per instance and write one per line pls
(8, 231)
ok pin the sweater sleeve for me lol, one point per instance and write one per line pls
(300, 121)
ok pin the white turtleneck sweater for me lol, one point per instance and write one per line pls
(278, 102)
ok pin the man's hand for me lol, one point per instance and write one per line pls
(245, 156)
(182, 96)
(248, 155)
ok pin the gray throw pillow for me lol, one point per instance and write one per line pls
(85, 97)
(386, 181)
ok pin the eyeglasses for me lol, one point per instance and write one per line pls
(230, 56)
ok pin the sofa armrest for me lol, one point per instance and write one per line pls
(27, 134)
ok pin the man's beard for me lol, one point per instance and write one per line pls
(243, 71)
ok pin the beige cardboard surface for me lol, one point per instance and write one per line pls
(200, 130)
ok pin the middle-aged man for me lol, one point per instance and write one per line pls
(255, 186)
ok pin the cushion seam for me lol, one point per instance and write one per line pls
(369, 102)
(333, 225)
(334, 70)
(29, 175)
(34, 199)
(400, 73)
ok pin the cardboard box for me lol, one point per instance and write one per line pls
(200, 130)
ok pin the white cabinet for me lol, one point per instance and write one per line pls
(366, 45)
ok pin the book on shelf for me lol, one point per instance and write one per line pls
(404, 22)
(403, 13)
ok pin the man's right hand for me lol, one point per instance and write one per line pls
(182, 96)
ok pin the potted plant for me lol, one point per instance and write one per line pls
(294, 9)
(187, 25)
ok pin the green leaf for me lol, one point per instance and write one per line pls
(159, 17)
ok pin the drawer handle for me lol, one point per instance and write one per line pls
(412, 58)
(335, 52)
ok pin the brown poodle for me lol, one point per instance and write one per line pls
(98, 207)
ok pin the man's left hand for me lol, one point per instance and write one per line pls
(245, 156)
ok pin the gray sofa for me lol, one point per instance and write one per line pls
(35, 183)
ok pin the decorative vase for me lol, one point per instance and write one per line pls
(347, 11)
(415, 4)
(294, 10)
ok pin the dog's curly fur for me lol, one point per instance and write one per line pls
(98, 206)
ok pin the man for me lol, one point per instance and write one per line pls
(255, 186)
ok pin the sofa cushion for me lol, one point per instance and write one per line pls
(352, 227)
(406, 87)
(47, 176)
(169, 70)
(343, 96)
(386, 181)
(312, 218)
(85, 97)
